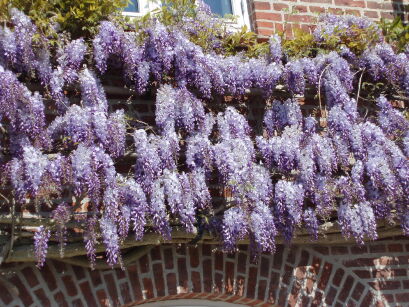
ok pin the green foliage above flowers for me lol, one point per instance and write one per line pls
(80, 18)
(395, 32)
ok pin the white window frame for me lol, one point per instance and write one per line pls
(239, 8)
(145, 6)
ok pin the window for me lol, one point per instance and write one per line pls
(133, 7)
(220, 7)
(237, 8)
(140, 7)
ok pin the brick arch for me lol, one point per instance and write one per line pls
(376, 274)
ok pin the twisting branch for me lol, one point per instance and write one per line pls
(319, 87)
(359, 85)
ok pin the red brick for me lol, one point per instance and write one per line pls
(194, 256)
(387, 273)
(148, 287)
(79, 272)
(278, 256)
(317, 9)
(386, 284)
(42, 297)
(158, 278)
(264, 24)
(360, 262)
(134, 279)
(196, 282)
(95, 277)
(60, 299)
(357, 293)
(354, 3)
(353, 12)
(305, 257)
(24, 295)
(363, 273)
(357, 249)
(5, 295)
(264, 267)
(125, 293)
(111, 286)
(318, 1)
(268, 16)
(261, 289)
(377, 248)
(322, 250)
(30, 276)
(168, 254)
(48, 276)
(89, 297)
(371, 14)
(396, 248)
(346, 288)
(402, 297)
(367, 301)
(300, 8)
(144, 264)
(229, 277)
(240, 284)
(155, 253)
(279, 6)
(206, 250)
(69, 285)
(338, 277)
(274, 280)
(102, 298)
(288, 273)
(300, 18)
(182, 273)
(265, 32)
(389, 298)
(120, 274)
(330, 296)
(171, 283)
(218, 261)
(327, 269)
(251, 282)
(218, 281)
(339, 250)
(207, 275)
(317, 299)
(373, 5)
(316, 263)
(77, 303)
(261, 5)
(282, 296)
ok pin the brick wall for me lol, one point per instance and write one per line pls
(340, 275)
(269, 16)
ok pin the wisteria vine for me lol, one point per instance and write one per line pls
(294, 174)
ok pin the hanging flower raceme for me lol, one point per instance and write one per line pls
(41, 238)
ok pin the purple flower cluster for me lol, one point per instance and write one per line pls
(41, 238)
(292, 174)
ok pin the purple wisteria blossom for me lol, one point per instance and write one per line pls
(41, 238)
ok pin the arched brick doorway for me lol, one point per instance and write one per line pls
(375, 275)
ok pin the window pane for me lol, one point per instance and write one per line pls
(220, 7)
(133, 7)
